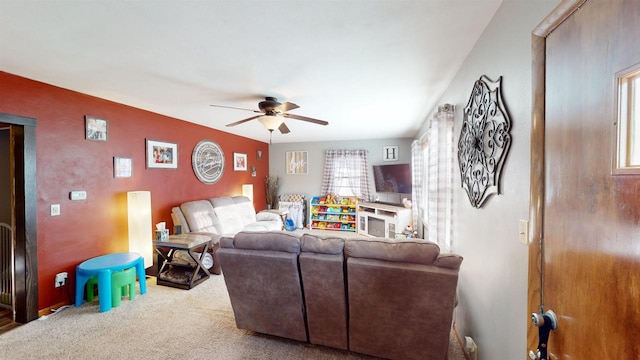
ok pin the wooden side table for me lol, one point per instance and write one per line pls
(190, 243)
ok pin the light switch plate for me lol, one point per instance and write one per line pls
(524, 231)
(55, 209)
(78, 195)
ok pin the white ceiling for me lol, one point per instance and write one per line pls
(372, 69)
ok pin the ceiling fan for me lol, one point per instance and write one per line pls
(273, 114)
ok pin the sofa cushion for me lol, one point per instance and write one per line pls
(322, 271)
(415, 251)
(316, 244)
(200, 216)
(266, 215)
(263, 280)
(268, 240)
(233, 213)
(412, 302)
(260, 226)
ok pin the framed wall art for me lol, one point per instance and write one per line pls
(95, 129)
(390, 153)
(239, 162)
(484, 141)
(207, 160)
(161, 155)
(122, 167)
(296, 162)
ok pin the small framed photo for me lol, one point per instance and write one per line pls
(122, 167)
(254, 173)
(239, 162)
(161, 155)
(296, 162)
(95, 129)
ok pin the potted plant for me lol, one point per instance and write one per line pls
(271, 191)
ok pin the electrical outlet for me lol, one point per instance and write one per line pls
(524, 231)
(55, 209)
(78, 195)
(61, 279)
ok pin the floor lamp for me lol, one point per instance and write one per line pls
(140, 228)
(247, 190)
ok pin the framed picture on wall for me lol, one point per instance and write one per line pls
(390, 153)
(95, 129)
(297, 162)
(239, 162)
(161, 155)
(122, 167)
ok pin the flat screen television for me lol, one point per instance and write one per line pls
(393, 178)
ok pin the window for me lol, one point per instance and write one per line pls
(626, 157)
(346, 173)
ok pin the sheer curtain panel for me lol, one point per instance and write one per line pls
(438, 153)
(417, 194)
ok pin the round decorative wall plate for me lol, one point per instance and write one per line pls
(208, 161)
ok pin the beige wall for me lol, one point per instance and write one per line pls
(493, 278)
(311, 183)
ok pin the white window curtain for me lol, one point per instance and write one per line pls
(417, 194)
(346, 173)
(436, 202)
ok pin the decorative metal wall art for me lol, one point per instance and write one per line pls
(484, 141)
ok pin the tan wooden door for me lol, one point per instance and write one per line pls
(587, 219)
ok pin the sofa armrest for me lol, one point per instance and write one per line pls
(215, 238)
(266, 215)
(178, 219)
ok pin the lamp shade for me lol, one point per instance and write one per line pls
(271, 122)
(140, 228)
(247, 190)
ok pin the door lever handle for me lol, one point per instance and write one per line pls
(545, 323)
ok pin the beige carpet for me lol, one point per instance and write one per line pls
(165, 323)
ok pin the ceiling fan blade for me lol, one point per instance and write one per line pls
(243, 121)
(284, 129)
(284, 107)
(237, 108)
(304, 118)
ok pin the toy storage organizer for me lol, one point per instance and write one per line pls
(333, 213)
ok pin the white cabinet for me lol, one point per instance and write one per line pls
(381, 220)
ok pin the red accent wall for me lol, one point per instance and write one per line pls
(66, 162)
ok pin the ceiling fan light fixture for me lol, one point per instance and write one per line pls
(271, 122)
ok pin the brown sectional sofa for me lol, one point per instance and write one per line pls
(381, 297)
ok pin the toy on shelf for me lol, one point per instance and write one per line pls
(333, 212)
(409, 232)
